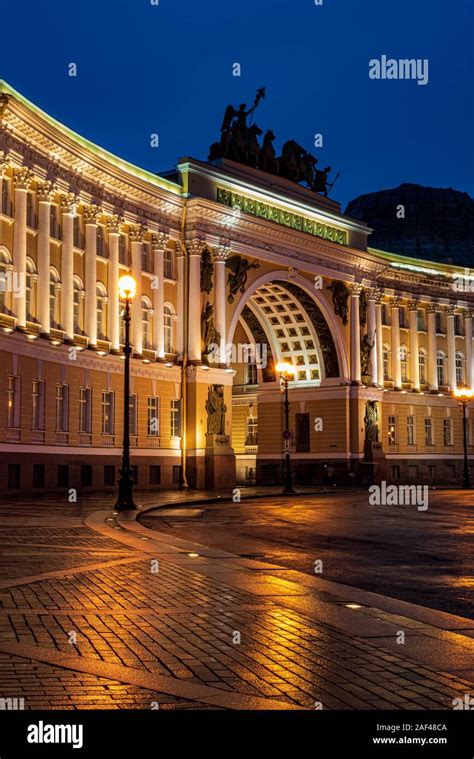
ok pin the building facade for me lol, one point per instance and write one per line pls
(236, 270)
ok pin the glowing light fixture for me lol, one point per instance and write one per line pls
(127, 287)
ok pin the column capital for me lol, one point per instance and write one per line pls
(196, 246)
(22, 178)
(451, 310)
(4, 162)
(432, 307)
(414, 304)
(137, 232)
(46, 191)
(221, 252)
(92, 213)
(355, 289)
(69, 203)
(159, 240)
(180, 252)
(395, 302)
(376, 294)
(114, 224)
(468, 312)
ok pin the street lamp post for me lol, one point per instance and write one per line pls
(286, 372)
(463, 396)
(125, 502)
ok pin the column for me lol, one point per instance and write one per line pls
(468, 351)
(91, 217)
(355, 334)
(432, 348)
(372, 334)
(22, 178)
(414, 347)
(137, 233)
(195, 248)
(451, 346)
(379, 337)
(158, 243)
(220, 256)
(114, 227)
(45, 194)
(395, 333)
(180, 300)
(68, 210)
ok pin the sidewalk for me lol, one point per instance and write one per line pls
(100, 612)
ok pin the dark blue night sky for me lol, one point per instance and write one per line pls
(168, 69)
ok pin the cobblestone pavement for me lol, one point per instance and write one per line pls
(99, 612)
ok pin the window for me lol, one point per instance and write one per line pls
(38, 475)
(422, 365)
(30, 211)
(78, 305)
(37, 413)
(101, 293)
(175, 418)
(14, 476)
(62, 408)
(410, 430)
(145, 257)
(421, 319)
(109, 474)
(441, 367)
(101, 244)
(302, 433)
(30, 289)
(168, 329)
(168, 264)
(153, 416)
(404, 363)
(447, 432)
(77, 233)
(6, 203)
(13, 402)
(53, 297)
(62, 476)
(386, 362)
(123, 256)
(402, 316)
(133, 415)
(439, 323)
(4, 279)
(146, 322)
(155, 474)
(252, 431)
(86, 475)
(385, 315)
(107, 413)
(251, 374)
(460, 378)
(177, 474)
(392, 430)
(54, 228)
(458, 325)
(429, 439)
(431, 471)
(395, 471)
(85, 409)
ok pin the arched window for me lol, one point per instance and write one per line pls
(146, 322)
(422, 365)
(460, 374)
(78, 306)
(441, 367)
(101, 293)
(5, 266)
(168, 328)
(404, 363)
(386, 361)
(30, 289)
(54, 289)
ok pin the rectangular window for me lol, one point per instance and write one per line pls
(302, 433)
(421, 318)
(155, 474)
(77, 229)
(431, 471)
(410, 430)
(30, 211)
(6, 205)
(447, 432)
(176, 474)
(458, 325)
(133, 415)
(109, 474)
(402, 317)
(168, 268)
(145, 257)
(392, 430)
(153, 416)
(62, 408)
(38, 475)
(395, 471)
(62, 476)
(439, 323)
(85, 409)
(385, 316)
(13, 405)
(251, 374)
(14, 476)
(123, 257)
(107, 413)
(37, 414)
(175, 418)
(101, 246)
(429, 438)
(54, 228)
(86, 476)
(252, 431)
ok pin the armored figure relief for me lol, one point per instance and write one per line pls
(365, 352)
(237, 278)
(207, 271)
(340, 297)
(209, 334)
(371, 422)
(216, 410)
